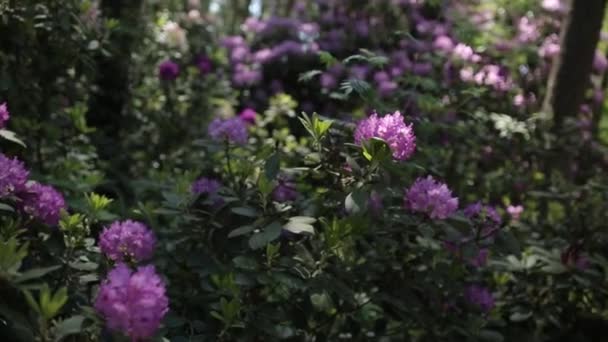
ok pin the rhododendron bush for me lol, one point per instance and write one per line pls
(303, 170)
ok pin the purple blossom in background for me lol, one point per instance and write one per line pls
(519, 100)
(429, 196)
(550, 47)
(527, 30)
(285, 191)
(204, 65)
(493, 76)
(133, 303)
(375, 204)
(572, 257)
(362, 28)
(245, 75)
(13, 176)
(481, 259)
(396, 71)
(381, 76)
(4, 114)
(387, 88)
(42, 202)
(467, 74)
(400, 59)
(359, 71)
(465, 53)
(479, 296)
(422, 69)
(515, 211)
(253, 24)
(478, 211)
(233, 130)
(248, 115)
(263, 56)
(391, 128)
(443, 43)
(168, 70)
(207, 186)
(598, 97)
(553, 5)
(309, 29)
(240, 54)
(232, 42)
(600, 63)
(328, 81)
(127, 241)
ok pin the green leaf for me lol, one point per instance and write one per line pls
(355, 202)
(6, 207)
(309, 75)
(241, 231)
(84, 266)
(57, 301)
(269, 234)
(272, 166)
(245, 263)
(11, 136)
(520, 316)
(300, 225)
(70, 326)
(320, 127)
(31, 301)
(327, 58)
(35, 273)
(490, 335)
(245, 211)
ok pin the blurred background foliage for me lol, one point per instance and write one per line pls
(307, 237)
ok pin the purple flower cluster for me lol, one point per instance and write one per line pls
(285, 191)
(168, 70)
(204, 64)
(486, 213)
(42, 202)
(480, 297)
(515, 211)
(481, 258)
(127, 241)
(233, 130)
(392, 129)
(248, 115)
(4, 114)
(375, 204)
(13, 176)
(429, 196)
(133, 303)
(205, 186)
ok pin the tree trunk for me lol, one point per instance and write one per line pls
(111, 97)
(571, 70)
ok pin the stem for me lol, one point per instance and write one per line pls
(229, 162)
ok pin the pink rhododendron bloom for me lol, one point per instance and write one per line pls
(392, 129)
(127, 241)
(429, 196)
(42, 202)
(4, 114)
(13, 176)
(515, 211)
(232, 130)
(133, 303)
(480, 297)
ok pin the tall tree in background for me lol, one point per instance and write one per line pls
(571, 70)
(111, 97)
